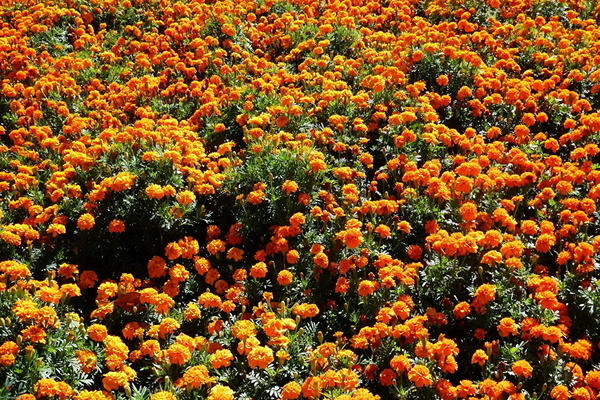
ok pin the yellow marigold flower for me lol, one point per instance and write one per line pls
(221, 392)
(163, 395)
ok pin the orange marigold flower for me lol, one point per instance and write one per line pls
(87, 279)
(367, 287)
(8, 352)
(256, 197)
(243, 329)
(186, 197)
(155, 191)
(260, 357)
(320, 259)
(483, 295)
(97, 332)
(351, 237)
(560, 392)
(289, 187)
(221, 358)
(167, 326)
(178, 354)
(116, 226)
(468, 211)
(291, 391)
(216, 246)
(522, 369)
(387, 377)
(420, 376)
(471, 168)
(491, 257)
(479, 357)
(507, 327)
(115, 380)
(49, 387)
(258, 270)
(86, 222)
(545, 242)
(285, 277)
(305, 310)
(196, 376)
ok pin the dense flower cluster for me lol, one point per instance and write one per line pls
(298, 199)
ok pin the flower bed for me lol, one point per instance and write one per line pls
(299, 199)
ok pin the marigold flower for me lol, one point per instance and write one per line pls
(420, 376)
(115, 380)
(522, 369)
(163, 395)
(260, 357)
(285, 277)
(305, 310)
(8, 352)
(97, 332)
(291, 391)
(367, 287)
(155, 191)
(49, 387)
(220, 392)
(258, 270)
(116, 226)
(196, 376)
(507, 327)
(479, 357)
(186, 198)
(221, 358)
(289, 187)
(243, 329)
(178, 354)
(560, 392)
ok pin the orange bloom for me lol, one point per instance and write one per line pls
(49, 388)
(367, 287)
(291, 391)
(258, 270)
(243, 329)
(351, 237)
(305, 310)
(479, 357)
(260, 357)
(507, 327)
(85, 222)
(221, 358)
(420, 376)
(97, 332)
(186, 197)
(196, 376)
(116, 226)
(560, 392)
(522, 369)
(8, 352)
(285, 277)
(178, 354)
(289, 187)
